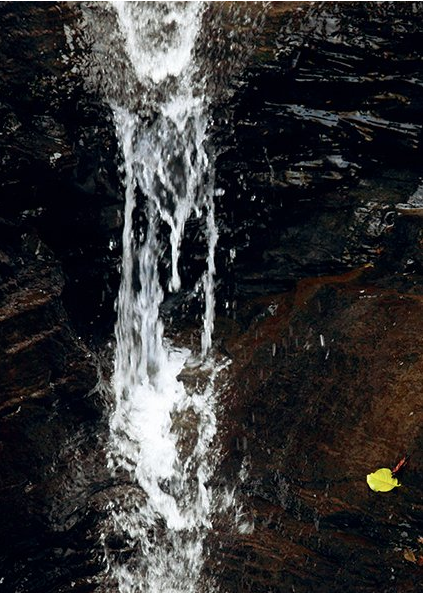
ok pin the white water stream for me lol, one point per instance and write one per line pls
(156, 63)
(168, 176)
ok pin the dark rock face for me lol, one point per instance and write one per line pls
(55, 226)
(326, 148)
(320, 267)
(46, 374)
(58, 157)
(326, 142)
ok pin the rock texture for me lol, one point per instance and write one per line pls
(326, 141)
(327, 374)
(53, 269)
(58, 152)
(331, 390)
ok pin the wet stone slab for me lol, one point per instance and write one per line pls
(331, 390)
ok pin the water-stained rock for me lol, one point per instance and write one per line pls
(326, 142)
(331, 377)
(46, 376)
(46, 370)
(58, 151)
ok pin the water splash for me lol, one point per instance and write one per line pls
(158, 68)
(161, 433)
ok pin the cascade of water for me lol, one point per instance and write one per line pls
(168, 177)
(162, 446)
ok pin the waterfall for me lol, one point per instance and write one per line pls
(161, 433)
(158, 64)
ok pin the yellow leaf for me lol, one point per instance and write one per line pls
(382, 480)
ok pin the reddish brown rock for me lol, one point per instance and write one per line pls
(331, 389)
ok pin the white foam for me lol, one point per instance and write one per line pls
(161, 435)
(159, 47)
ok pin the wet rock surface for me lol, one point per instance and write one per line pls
(46, 376)
(320, 301)
(331, 391)
(326, 142)
(326, 388)
(53, 216)
(58, 153)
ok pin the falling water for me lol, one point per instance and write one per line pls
(168, 175)
(162, 446)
